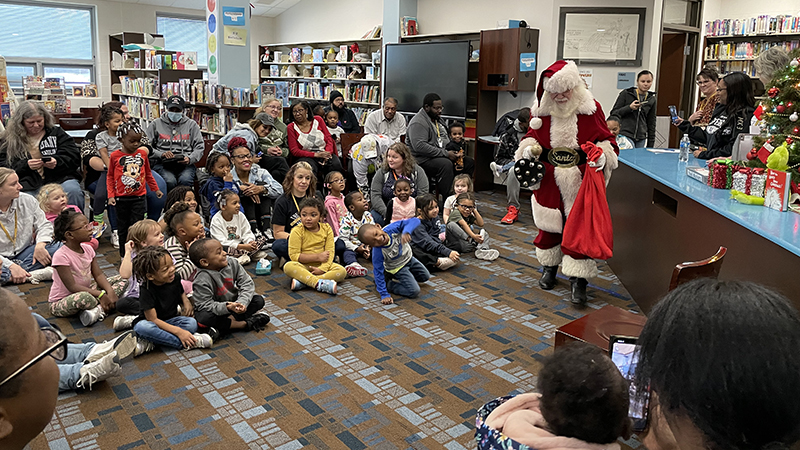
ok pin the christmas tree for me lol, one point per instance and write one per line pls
(780, 113)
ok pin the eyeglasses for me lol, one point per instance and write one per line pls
(722, 89)
(241, 157)
(88, 226)
(273, 107)
(57, 350)
(468, 208)
(338, 180)
(437, 108)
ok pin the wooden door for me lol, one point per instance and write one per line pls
(670, 79)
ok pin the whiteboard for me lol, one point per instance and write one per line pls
(606, 37)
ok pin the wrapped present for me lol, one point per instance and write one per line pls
(741, 181)
(721, 173)
(758, 182)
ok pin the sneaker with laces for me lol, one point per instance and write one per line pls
(90, 317)
(143, 346)
(511, 216)
(205, 340)
(296, 285)
(40, 275)
(355, 270)
(115, 238)
(244, 259)
(497, 169)
(98, 228)
(124, 345)
(327, 286)
(268, 234)
(487, 254)
(123, 322)
(257, 321)
(445, 263)
(103, 368)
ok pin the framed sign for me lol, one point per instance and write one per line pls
(610, 36)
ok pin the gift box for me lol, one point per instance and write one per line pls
(741, 181)
(720, 174)
(758, 182)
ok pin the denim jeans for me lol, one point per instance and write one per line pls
(346, 256)
(70, 367)
(377, 217)
(406, 281)
(150, 331)
(176, 174)
(25, 260)
(281, 248)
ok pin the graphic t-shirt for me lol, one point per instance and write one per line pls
(164, 298)
(128, 173)
(79, 264)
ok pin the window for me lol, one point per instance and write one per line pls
(184, 34)
(29, 50)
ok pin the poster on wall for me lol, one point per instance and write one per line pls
(212, 34)
(235, 36)
(610, 36)
(232, 16)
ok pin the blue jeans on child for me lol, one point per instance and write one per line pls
(176, 174)
(150, 331)
(346, 256)
(281, 248)
(25, 260)
(70, 368)
(406, 281)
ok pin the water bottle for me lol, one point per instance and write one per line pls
(683, 156)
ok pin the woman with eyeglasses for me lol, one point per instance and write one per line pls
(731, 116)
(274, 145)
(310, 141)
(707, 81)
(257, 188)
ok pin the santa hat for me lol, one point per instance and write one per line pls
(561, 76)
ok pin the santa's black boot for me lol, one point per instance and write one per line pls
(548, 280)
(578, 290)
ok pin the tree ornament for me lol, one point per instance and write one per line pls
(773, 92)
(793, 117)
(751, 155)
(795, 62)
(789, 140)
(780, 109)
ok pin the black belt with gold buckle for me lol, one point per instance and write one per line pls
(563, 157)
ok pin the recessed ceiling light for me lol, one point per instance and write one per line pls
(15, 34)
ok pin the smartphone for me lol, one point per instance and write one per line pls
(47, 158)
(624, 354)
(673, 112)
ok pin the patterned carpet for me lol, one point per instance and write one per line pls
(341, 372)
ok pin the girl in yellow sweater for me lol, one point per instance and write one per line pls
(311, 249)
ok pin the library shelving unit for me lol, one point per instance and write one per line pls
(314, 77)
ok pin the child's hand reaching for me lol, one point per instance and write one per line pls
(187, 339)
(477, 238)
(455, 256)
(405, 238)
(387, 300)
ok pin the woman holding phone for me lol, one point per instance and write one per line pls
(636, 109)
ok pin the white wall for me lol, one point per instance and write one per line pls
(115, 17)
(320, 20)
(740, 9)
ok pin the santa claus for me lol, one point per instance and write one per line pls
(565, 117)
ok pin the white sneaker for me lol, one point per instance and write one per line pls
(90, 317)
(497, 169)
(485, 244)
(355, 270)
(103, 368)
(203, 340)
(259, 255)
(143, 346)
(124, 345)
(124, 322)
(244, 259)
(487, 254)
(268, 234)
(40, 275)
(115, 238)
(445, 263)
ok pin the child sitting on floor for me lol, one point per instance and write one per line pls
(402, 206)
(392, 258)
(459, 229)
(184, 226)
(461, 183)
(224, 294)
(53, 200)
(348, 247)
(311, 249)
(79, 286)
(334, 201)
(425, 243)
(332, 121)
(230, 227)
(582, 404)
(160, 297)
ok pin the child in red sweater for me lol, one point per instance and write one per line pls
(128, 172)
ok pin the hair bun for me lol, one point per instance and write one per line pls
(236, 142)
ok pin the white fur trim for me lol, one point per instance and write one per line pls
(528, 148)
(564, 131)
(612, 160)
(547, 219)
(535, 123)
(549, 256)
(568, 181)
(565, 79)
(581, 268)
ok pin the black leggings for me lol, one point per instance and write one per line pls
(258, 214)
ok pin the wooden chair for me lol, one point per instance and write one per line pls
(348, 140)
(706, 268)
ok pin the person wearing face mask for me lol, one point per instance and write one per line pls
(347, 117)
(177, 144)
(636, 108)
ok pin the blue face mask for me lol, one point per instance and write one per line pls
(174, 116)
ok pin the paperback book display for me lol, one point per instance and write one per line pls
(50, 91)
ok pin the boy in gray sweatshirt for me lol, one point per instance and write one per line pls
(224, 294)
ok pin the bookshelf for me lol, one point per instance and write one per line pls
(308, 71)
(732, 45)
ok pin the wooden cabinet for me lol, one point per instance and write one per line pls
(505, 59)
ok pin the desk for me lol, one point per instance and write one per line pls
(484, 155)
(662, 218)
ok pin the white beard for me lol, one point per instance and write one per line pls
(581, 102)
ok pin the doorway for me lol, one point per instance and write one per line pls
(673, 79)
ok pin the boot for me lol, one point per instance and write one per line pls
(548, 280)
(578, 290)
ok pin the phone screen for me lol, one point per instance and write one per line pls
(673, 112)
(625, 357)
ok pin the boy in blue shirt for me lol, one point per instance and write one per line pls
(392, 258)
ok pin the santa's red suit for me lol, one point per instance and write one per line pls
(564, 125)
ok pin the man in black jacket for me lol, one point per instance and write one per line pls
(347, 117)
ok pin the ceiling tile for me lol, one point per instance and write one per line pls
(188, 4)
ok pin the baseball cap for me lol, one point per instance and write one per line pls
(175, 101)
(265, 118)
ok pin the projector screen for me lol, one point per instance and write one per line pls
(414, 69)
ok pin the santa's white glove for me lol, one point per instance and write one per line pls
(526, 153)
(599, 164)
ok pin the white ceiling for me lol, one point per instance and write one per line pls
(268, 8)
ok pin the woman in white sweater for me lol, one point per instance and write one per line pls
(232, 229)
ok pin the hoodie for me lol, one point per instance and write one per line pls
(55, 143)
(241, 130)
(720, 134)
(424, 139)
(639, 124)
(182, 138)
(212, 289)
(347, 117)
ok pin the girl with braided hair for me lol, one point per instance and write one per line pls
(128, 171)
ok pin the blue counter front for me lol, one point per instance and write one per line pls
(662, 218)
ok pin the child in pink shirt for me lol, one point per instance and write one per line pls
(334, 202)
(402, 206)
(53, 200)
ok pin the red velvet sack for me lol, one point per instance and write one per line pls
(588, 230)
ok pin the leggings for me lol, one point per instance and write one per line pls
(258, 214)
(79, 301)
(300, 272)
